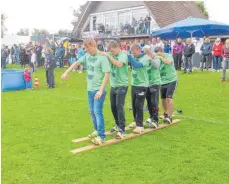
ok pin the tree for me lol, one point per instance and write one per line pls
(39, 32)
(78, 13)
(201, 6)
(3, 28)
(63, 32)
(23, 32)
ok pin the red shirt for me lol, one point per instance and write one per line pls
(225, 52)
(217, 49)
(27, 76)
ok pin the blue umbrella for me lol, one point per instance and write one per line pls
(192, 27)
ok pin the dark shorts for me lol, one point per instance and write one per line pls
(167, 90)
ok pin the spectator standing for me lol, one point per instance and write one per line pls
(60, 54)
(12, 54)
(225, 54)
(217, 54)
(153, 45)
(23, 57)
(142, 44)
(147, 24)
(178, 49)
(72, 55)
(38, 49)
(160, 43)
(135, 24)
(50, 66)
(33, 60)
(4, 55)
(100, 45)
(167, 47)
(206, 54)
(16, 54)
(123, 45)
(189, 50)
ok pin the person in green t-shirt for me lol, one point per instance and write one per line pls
(168, 82)
(140, 82)
(98, 72)
(119, 85)
(152, 96)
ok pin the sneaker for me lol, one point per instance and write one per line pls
(153, 125)
(184, 72)
(223, 79)
(114, 129)
(93, 134)
(168, 120)
(149, 121)
(132, 125)
(120, 135)
(165, 115)
(98, 141)
(138, 130)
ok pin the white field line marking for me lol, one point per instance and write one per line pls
(204, 120)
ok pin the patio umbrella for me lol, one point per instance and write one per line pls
(192, 27)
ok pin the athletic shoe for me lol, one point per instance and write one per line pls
(223, 79)
(138, 130)
(132, 125)
(98, 141)
(114, 129)
(184, 72)
(149, 121)
(120, 135)
(153, 125)
(93, 134)
(165, 115)
(168, 120)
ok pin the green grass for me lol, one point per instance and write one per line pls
(38, 126)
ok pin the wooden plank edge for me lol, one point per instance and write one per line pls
(87, 138)
(129, 136)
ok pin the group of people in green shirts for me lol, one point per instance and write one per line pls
(151, 74)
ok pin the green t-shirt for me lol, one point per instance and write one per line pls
(154, 73)
(96, 65)
(119, 75)
(139, 75)
(168, 72)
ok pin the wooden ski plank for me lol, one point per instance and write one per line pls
(129, 136)
(87, 138)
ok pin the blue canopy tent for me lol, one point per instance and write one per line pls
(192, 27)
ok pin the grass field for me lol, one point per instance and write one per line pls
(38, 126)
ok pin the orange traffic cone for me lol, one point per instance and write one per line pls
(36, 83)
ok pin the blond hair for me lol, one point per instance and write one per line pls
(135, 46)
(207, 40)
(89, 42)
(112, 44)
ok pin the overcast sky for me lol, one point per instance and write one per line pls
(55, 15)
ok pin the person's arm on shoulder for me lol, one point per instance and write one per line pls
(113, 60)
(156, 63)
(136, 64)
(167, 61)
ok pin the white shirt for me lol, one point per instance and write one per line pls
(33, 58)
(160, 44)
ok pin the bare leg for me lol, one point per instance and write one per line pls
(164, 105)
(170, 108)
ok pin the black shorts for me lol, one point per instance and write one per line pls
(167, 90)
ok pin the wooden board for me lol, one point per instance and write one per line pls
(129, 136)
(87, 138)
